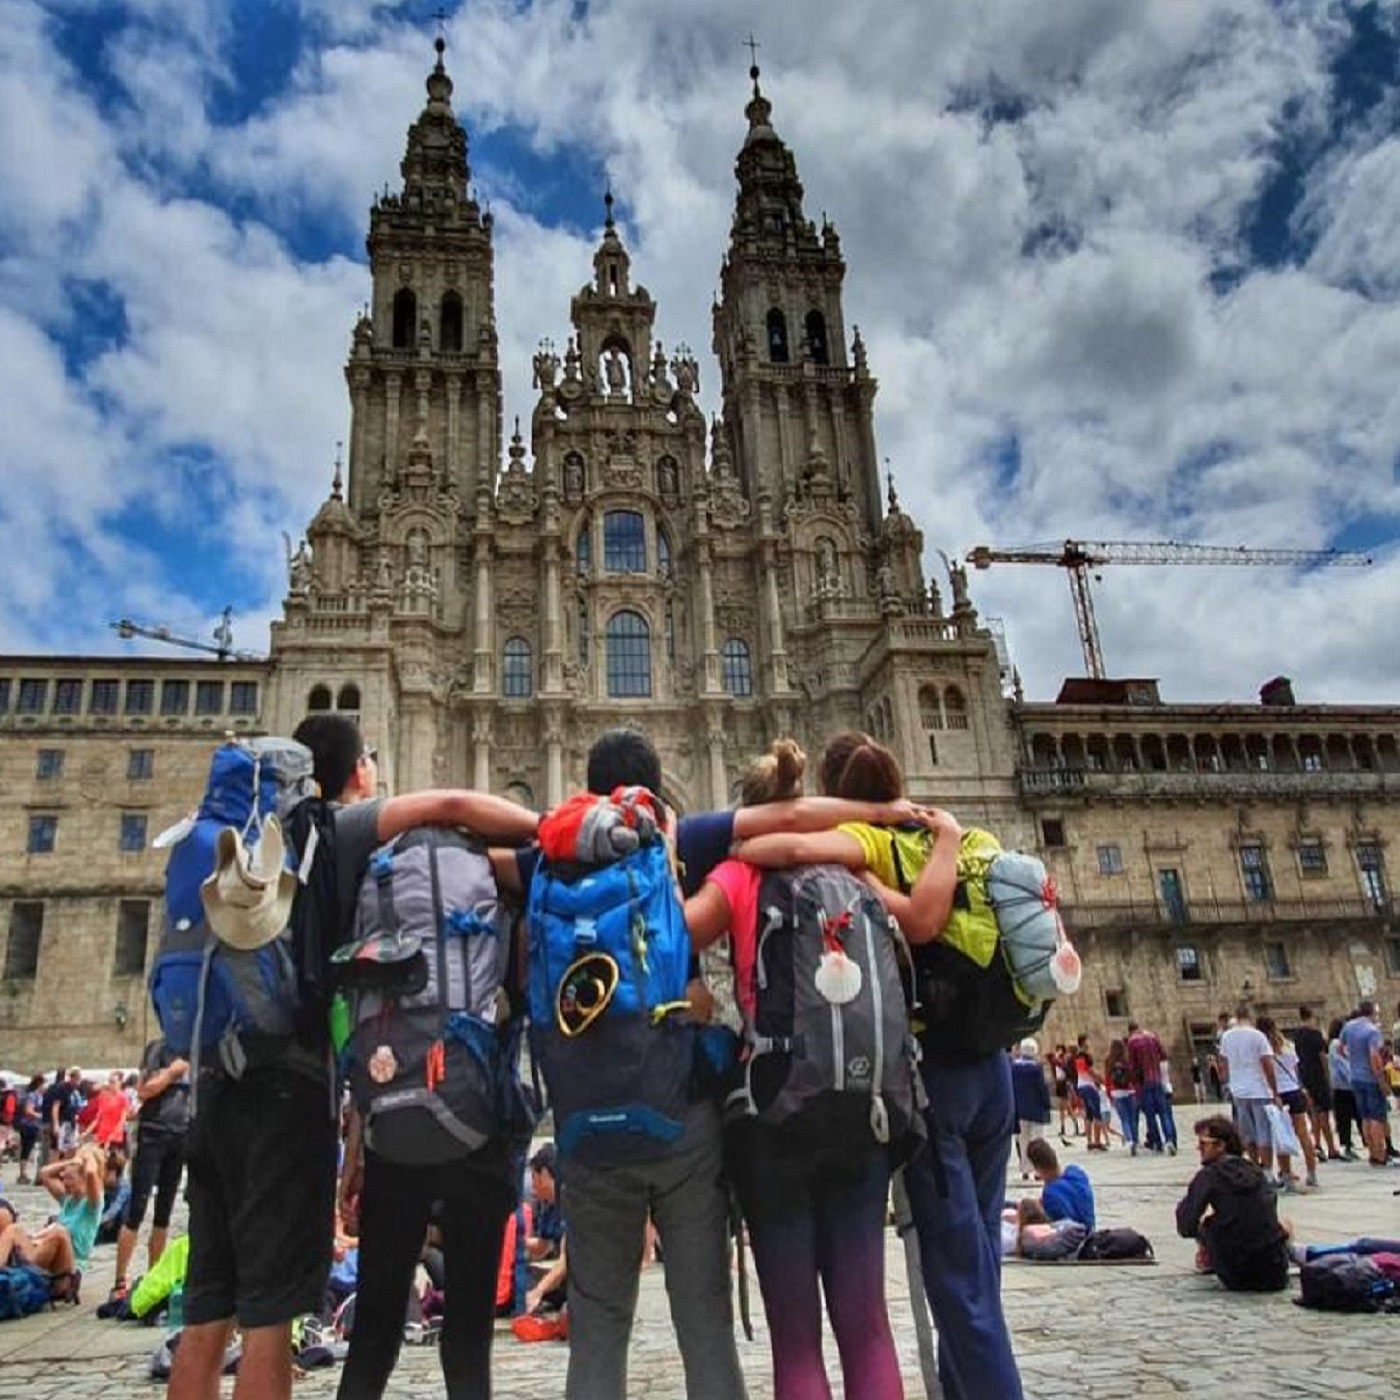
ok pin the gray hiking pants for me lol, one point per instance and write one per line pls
(605, 1212)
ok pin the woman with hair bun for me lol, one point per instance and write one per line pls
(815, 1203)
(957, 1187)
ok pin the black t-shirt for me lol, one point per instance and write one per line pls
(63, 1094)
(1308, 1041)
(168, 1113)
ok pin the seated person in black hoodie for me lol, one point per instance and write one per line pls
(1233, 1211)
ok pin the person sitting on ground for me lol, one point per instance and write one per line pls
(63, 1245)
(1232, 1211)
(1027, 1233)
(1067, 1193)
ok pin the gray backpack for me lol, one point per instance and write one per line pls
(434, 1042)
(829, 1049)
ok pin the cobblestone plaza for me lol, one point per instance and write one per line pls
(1091, 1332)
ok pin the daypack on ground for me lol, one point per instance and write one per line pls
(1119, 1242)
(1003, 956)
(829, 1048)
(24, 1289)
(1345, 1283)
(215, 1003)
(434, 1049)
(609, 965)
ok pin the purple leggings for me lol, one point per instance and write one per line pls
(824, 1233)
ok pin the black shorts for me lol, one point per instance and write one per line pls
(1295, 1101)
(261, 1191)
(1320, 1092)
(159, 1162)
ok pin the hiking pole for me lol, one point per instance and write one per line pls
(918, 1302)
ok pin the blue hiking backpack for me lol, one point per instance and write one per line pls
(609, 964)
(230, 1006)
(24, 1289)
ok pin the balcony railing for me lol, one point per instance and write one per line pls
(1090, 782)
(1095, 915)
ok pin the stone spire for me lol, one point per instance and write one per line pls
(612, 267)
(435, 163)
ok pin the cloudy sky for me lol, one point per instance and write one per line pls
(1127, 269)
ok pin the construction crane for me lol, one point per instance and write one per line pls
(222, 646)
(1078, 557)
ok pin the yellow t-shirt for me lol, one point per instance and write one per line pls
(897, 855)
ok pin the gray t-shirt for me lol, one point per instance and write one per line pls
(356, 839)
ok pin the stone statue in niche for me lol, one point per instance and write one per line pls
(417, 549)
(615, 367)
(666, 483)
(573, 478)
(828, 567)
(298, 567)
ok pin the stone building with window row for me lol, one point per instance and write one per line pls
(485, 606)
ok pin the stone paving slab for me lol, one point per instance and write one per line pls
(1081, 1333)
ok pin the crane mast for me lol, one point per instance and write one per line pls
(1078, 557)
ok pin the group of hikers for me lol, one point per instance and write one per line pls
(656, 1115)
(323, 939)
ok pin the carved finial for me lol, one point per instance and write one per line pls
(893, 494)
(608, 206)
(440, 43)
(337, 483)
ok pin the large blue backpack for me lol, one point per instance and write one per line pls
(226, 1006)
(609, 964)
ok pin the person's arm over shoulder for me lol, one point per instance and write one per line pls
(482, 813)
(807, 814)
(782, 849)
(931, 899)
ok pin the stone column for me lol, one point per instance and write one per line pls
(772, 604)
(360, 488)
(709, 643)
(552, 667)
(481, 750)
(554, 757)
(454, 427)
(391, 424)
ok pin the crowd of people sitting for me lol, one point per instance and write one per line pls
(296, 1211)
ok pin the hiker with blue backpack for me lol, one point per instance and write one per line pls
(614, 1031)
(989, 955)
(827, 1101)
(260, 884)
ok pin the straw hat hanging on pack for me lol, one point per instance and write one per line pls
(248, 898)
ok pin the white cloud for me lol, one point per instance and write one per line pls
(1129, 144)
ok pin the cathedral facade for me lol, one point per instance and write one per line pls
(485, 605)
(717, 584)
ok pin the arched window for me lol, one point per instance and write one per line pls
(629, 655)
(583, 550)
(624, 542)
(516, 675)
(777, 337)
(319, 699)
(737, 667)
(348, 699)
(522, 794)
(816, 338)
(450, 323)
(663, 554)
(955, 708)
(930, 711)
(405, 319)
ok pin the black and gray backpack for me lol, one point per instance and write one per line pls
(434, 1045)
(829, 1049)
